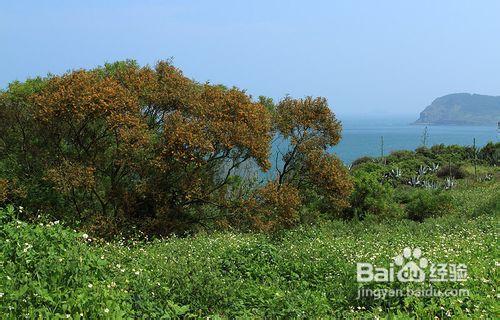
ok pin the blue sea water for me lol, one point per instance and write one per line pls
(362, 137)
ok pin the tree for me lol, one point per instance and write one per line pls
(128, 144)
(199, 148)
(309, 128)
(93, 136)
(19, 164)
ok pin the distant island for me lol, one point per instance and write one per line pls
(462, 109)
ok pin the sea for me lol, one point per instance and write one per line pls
(362, 137)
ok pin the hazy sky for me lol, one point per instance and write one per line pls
(366, 57)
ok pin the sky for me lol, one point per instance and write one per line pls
(369, 58)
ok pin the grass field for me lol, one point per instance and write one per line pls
(48, 270)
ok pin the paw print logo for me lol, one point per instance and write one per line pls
(412, 270)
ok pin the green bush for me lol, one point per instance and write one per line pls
(490, 153)
(371, 198)
(424, 204)
(360, 161)
(453, 170)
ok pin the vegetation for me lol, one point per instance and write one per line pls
(424, 204)
(140, 193)
(307, 272)
(124, 145)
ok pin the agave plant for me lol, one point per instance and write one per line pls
(396, 173)
(434, 167)
(415, 181)
(430, 185)
(423, 170)
(449, 183)
(488, 177)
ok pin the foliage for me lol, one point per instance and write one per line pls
(124, 149)
(307, 272)
(372, 198)
(406, 172)
(91, 140)
(3, 190)
(490, 153)
(453, 171)
(274, 206)
(310, 128)
(128, 145)
(362, 160)
(72, 279)
(424, 204)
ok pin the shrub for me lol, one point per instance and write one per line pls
(444, 153)
(423, 151)
(362, 160)
(401, 155)
(424, 204)
(403, 194)
(129, 145)
(453, 170)
(490, 153)
(299, 273)
(375, 168)
(372, 198)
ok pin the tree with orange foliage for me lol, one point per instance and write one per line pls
(274, 206)
(131, 144)
(93, 135)
(201, 134)
(308, 128)
(201, 146)
(125, 144)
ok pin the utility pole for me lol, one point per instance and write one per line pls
(382, 149)
(475, 158)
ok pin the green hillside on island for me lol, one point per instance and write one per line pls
(462, 109)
